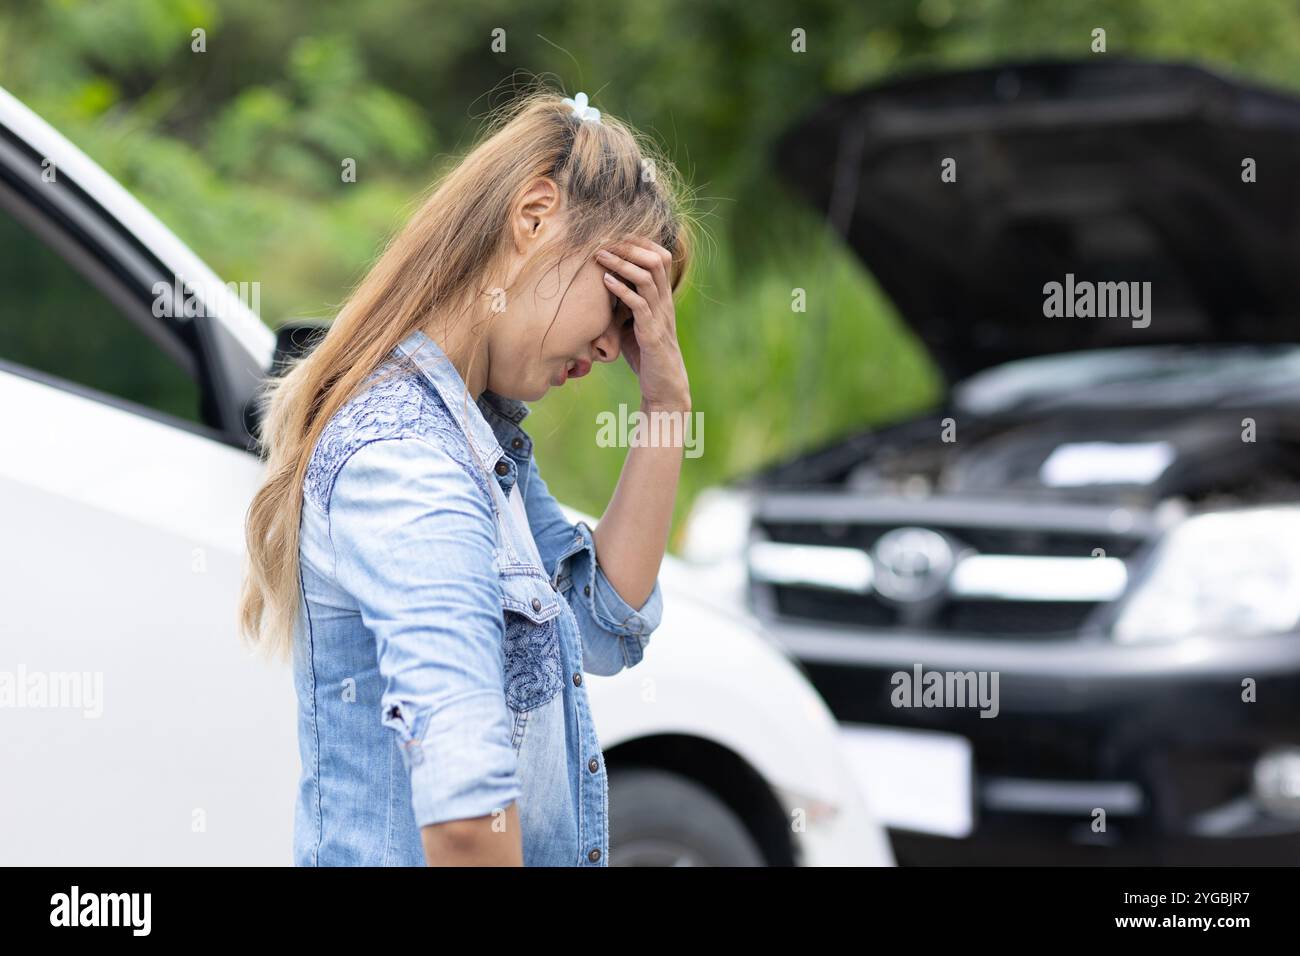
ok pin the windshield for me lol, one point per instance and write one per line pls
(1154, 375)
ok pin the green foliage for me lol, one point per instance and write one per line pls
(239, 149)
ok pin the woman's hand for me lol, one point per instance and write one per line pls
(632, 534)
(650, 345)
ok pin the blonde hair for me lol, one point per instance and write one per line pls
(615, 184)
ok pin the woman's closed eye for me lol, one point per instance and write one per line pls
(622, 315)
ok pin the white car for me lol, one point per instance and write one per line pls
(134, 728)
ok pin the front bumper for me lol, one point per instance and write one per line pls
(1164, 739)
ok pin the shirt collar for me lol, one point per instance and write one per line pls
(494, 428)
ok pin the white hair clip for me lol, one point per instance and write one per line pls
(581, 109)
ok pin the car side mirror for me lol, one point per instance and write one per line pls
(293, 340)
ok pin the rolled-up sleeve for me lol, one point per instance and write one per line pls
(614, 633)
(414, 543)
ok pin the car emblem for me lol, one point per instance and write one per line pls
(911, 564)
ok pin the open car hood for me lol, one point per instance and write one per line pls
(1107, 170)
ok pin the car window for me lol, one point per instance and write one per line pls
(53, 320)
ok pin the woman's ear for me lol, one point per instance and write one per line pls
(535, 213)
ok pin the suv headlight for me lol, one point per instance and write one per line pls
(1225, 574)
(717, 528)
(715, 540)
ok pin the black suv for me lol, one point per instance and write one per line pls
(1104, 257)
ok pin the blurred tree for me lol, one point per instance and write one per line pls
(239, 148)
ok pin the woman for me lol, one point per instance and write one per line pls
(439, 607)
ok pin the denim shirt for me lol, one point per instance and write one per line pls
(441, 643)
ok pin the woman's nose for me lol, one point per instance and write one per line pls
(607, 345)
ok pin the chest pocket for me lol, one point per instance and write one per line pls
(534, 672)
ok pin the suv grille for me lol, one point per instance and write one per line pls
(943, 565)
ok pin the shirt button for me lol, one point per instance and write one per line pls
(537, 604)
(594, 855)
(517, 443)
(577, 680)
(586, 590)
(502, 467)
(593, 764)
